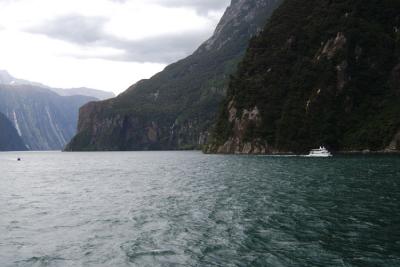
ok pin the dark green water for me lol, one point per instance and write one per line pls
(190, 209)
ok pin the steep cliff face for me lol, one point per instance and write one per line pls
(175, 108)
(394, 144)
(9, 138)
(321, 73)
(43, 119)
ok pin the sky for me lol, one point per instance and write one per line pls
(101, 44)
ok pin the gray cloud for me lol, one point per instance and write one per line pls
(159, 49)
(201, 6)
(73, 28)
(89, 31)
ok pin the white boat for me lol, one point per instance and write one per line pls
(321, 152)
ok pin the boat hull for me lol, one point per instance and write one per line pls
(319, 156)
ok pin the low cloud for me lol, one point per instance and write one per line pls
(90, 32)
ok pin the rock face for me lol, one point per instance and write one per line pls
(9, 138)
(320, 73)
(43, 119)
(237, 142)
(395, 144)
(175, 108)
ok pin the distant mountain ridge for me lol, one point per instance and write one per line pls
(7, 79)
(43, 119)
(9, 138)
(99, 94)
(176, 107)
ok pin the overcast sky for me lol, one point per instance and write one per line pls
(103, 44)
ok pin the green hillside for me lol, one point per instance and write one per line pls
(321, 73)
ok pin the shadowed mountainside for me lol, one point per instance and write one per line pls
(9, 138)
(43, 119)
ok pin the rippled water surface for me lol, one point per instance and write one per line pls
(190, 209)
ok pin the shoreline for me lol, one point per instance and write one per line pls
(341, 152)
(334, 153)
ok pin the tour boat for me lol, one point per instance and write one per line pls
(320, 152)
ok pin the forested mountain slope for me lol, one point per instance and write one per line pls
(323, 72)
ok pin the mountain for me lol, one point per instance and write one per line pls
(9, 138)
(7, 79)
(100, 95)
(43, 119)
(322, 72)
(175, 108)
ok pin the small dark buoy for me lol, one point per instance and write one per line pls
(19, 159)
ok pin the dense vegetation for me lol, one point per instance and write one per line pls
(323, 72)
(9, 138)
